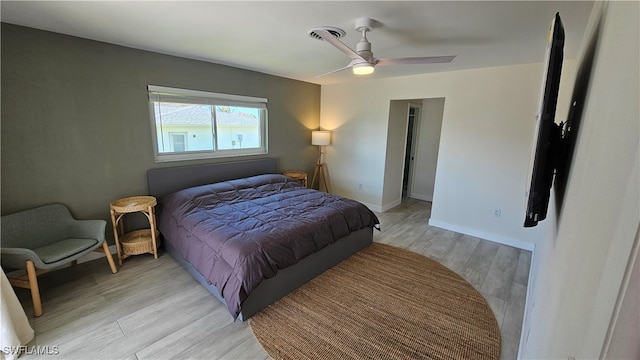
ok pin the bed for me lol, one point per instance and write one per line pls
(225, 223)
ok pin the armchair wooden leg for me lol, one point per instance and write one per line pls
(107, 253)
(35, 290)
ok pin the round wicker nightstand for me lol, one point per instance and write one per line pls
(138, 241)
(301, 176)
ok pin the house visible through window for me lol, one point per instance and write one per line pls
(190, 124)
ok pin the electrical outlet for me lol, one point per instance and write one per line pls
(497, 213)
(359, 186)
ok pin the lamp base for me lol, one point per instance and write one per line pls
(320, 174)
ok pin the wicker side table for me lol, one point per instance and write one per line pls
(301, 176)
(138, 241)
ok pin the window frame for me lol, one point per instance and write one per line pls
(187, 96)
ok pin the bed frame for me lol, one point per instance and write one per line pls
(164, 181)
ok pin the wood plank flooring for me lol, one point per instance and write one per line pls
(153, 309)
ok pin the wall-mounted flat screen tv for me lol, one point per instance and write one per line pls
(548, 134)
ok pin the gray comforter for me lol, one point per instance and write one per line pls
(240, 232)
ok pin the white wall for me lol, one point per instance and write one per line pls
(485, 144)
(583, 257)
(624, 341)
(358, 118)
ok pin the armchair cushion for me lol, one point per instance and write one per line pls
(63, 249)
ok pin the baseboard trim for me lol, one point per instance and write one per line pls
(423, 197)
(482, 234)
(372, 207)
(391, 205)
(525, 330)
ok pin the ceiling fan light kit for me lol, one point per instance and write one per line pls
(363, 69)
(362, 60)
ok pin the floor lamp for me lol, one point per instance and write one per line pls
(320, 138)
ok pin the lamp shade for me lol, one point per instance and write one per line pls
(321, 137)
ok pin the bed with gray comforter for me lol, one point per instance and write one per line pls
(237, 234)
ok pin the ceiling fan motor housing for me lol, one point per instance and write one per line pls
(363, 48)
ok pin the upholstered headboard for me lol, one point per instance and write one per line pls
(164, 181)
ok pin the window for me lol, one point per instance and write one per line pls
(191, 124)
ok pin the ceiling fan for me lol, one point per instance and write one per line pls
(362, 60)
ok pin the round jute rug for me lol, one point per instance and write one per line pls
(381, 303)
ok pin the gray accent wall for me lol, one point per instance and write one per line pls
(76, 125)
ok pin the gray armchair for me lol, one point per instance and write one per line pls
(46, 238)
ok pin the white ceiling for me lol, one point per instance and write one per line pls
(271, 36)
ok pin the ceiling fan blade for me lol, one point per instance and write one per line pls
(331, 72)
(335, 71)
(416, 60)
(326, 36)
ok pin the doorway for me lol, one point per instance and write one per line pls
(413, 140)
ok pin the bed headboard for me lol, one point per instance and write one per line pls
(164, 181)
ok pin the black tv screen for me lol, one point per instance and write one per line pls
(548, 134)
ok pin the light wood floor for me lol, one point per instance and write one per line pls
(153, 309)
